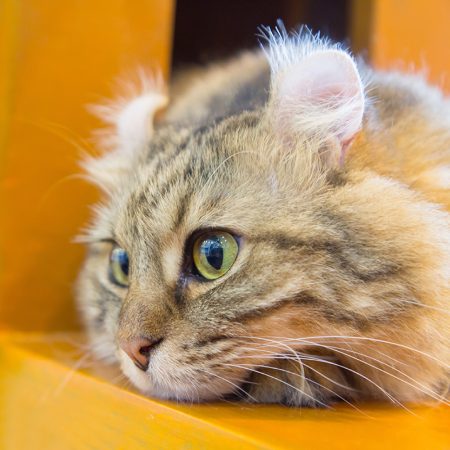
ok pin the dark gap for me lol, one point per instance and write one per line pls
(208, 30)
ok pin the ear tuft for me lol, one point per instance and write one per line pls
(316, 90)
(135, 121)
(131, 116)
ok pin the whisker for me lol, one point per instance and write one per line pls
(362, 338)
(284, 357)
(300, 354)
(51, 189)
(66, 379)
(349, 388)
(424, 391)
(422, 305)
(382, 362)
(230, 382)
(64, 133)
(246, 394)
(389, 396)
(353, 351)
(320, 385)
(244, 366)
(221, 164)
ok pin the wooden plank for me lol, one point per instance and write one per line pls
(46, 406)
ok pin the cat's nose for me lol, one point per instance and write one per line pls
(139, 349)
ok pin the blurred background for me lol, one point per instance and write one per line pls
(206, 30)
(58, 57)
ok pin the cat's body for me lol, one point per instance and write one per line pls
(340, 288)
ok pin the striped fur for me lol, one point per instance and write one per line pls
(340, 290)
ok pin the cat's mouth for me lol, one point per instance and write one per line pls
(283, 376)
(169, 381)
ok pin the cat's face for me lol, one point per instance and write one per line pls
(218, 248)
(208, 187)
(312, 259)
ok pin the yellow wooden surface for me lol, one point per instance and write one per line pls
(48, 405)
(55, 58)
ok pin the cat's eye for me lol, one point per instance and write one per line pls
(119, 266)
(214, 253)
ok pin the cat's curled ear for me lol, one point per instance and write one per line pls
(316, 92)
(131, 119)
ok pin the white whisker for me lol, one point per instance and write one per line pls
(360, 338)
(239, 388)
(221, 164)
(244, 366)
(389, 396)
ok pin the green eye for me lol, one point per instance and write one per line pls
(119, 264)
(214, 253)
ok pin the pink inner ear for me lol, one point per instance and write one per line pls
(327, 87)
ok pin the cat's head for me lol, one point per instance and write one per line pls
(216, 248)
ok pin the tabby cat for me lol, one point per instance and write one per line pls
(279, 232)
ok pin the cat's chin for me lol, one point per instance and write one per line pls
(167, 389)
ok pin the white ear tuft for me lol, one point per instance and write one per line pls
(316, 90)
(132, 113)
(131, 116)
(135, 122)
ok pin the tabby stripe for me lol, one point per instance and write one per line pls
(182, 210)
(211, 340)
(301, 298)
(327, 310)
(105, 296)
(335, 250)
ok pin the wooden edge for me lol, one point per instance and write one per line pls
(47, 405)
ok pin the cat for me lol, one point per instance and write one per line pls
(277, 232)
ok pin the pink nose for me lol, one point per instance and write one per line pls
(138, 349)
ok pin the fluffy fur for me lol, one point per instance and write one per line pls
(340, 290)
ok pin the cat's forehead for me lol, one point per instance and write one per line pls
(206, 178)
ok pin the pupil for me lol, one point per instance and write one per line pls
(123, 262)
(213, 251)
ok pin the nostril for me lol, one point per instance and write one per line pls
(139, 349)
(145, 351)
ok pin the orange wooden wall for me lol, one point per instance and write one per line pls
(406, 35)
(55, 58)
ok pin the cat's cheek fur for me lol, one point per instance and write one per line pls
(99, 304)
